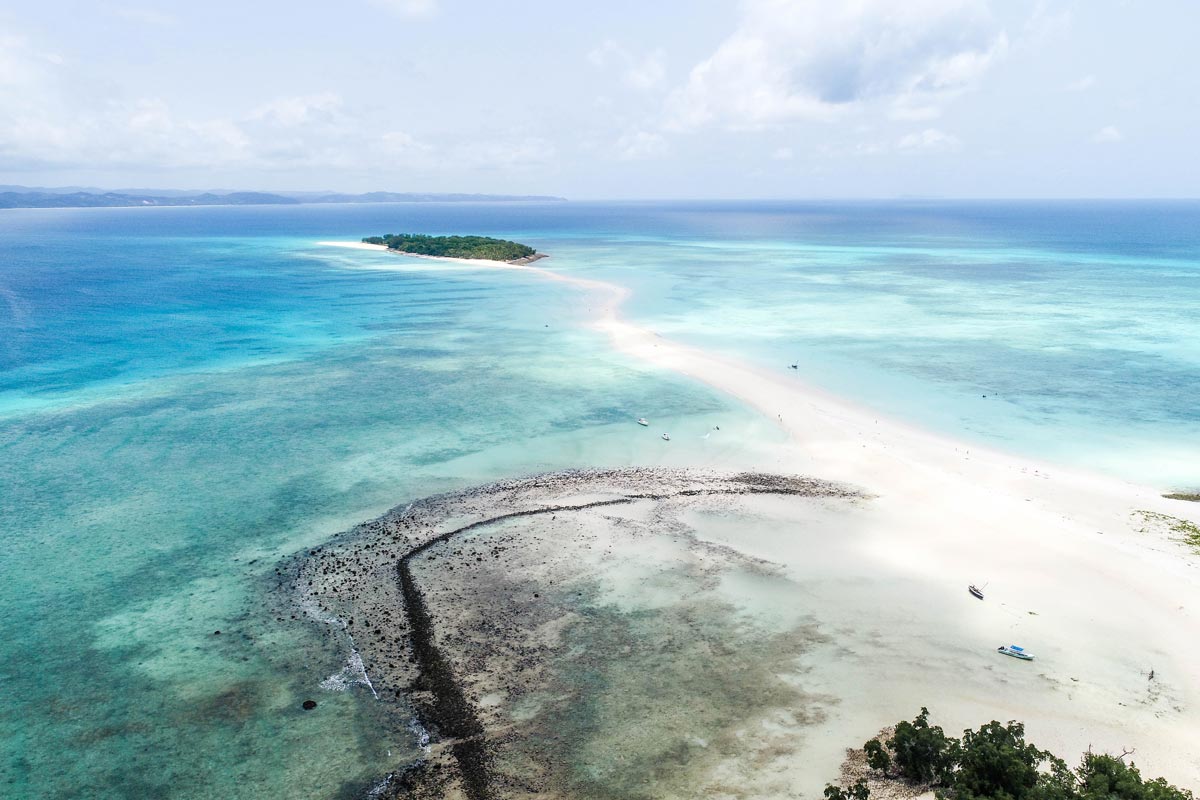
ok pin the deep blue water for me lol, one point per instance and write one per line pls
(188, 395)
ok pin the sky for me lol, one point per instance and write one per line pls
(614, 99)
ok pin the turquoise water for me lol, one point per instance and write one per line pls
(1064, 331)
(189, 395)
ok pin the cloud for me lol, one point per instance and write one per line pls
(1107, 135)
(792, 60)
(1081, 85)
(144, 16)
(502, 154)
(53, 117)
(641, 145)
(291, 112)
(400, 144)
(929, 140)
(642, 73)
(408, 8)
(783, 154)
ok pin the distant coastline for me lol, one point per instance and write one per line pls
(72, 197)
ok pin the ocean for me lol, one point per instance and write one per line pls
(190, 395)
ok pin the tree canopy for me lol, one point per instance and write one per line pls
(453, 246)
(996, 763)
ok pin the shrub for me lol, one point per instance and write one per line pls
(1104, 777)
(996, 762)
(858, 791)
(922, 752)
(877, 757)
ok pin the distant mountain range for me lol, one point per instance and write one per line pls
(83, 197)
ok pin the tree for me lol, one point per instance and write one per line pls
(858, 791)
(922, 752)
(996, 762)
(1105, 777)
(877, 757)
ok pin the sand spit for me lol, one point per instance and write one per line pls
(444, 632)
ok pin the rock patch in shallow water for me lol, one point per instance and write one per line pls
(437, 599)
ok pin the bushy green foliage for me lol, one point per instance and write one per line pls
(922, 752)
(877, 756)
(996, 763)
(858, 791)
(1105, 777)
(453, 246)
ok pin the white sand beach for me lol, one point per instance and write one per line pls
(1070, 575)
(1071, 570)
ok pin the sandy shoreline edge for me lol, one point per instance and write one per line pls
(1068, 545)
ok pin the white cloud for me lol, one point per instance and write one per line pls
(641, 145)
(1081, 85)
(502, 154)
(408, 8)
(783, 154)
(810, 59)
(144, 16)
(399, 143)
(929, 140)
(638, 72)
(1107, 135)
(1044, 24)
(51, 117)
(294, 111)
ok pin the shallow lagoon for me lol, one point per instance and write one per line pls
(189, 395)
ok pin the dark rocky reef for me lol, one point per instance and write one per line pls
(391, 591)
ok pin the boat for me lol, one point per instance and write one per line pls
(1015, 652)
(975, 591)
(666, 437)
(642, 421)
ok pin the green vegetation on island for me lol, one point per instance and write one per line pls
(454, 246)
(996, 763)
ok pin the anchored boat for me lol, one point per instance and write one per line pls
(643, 422)
(1015, 652)
(666, 437)
(975, 591)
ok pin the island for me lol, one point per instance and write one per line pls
(475, 247)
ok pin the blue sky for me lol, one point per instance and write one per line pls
(620, 99)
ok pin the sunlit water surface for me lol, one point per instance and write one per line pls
(188, 395)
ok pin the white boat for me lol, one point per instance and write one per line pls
(642, 421)
(1015, 652)
(666, 437)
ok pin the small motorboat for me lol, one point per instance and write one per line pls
(1015, 652)
(666, 437)
(975, 591)
(643, 422)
